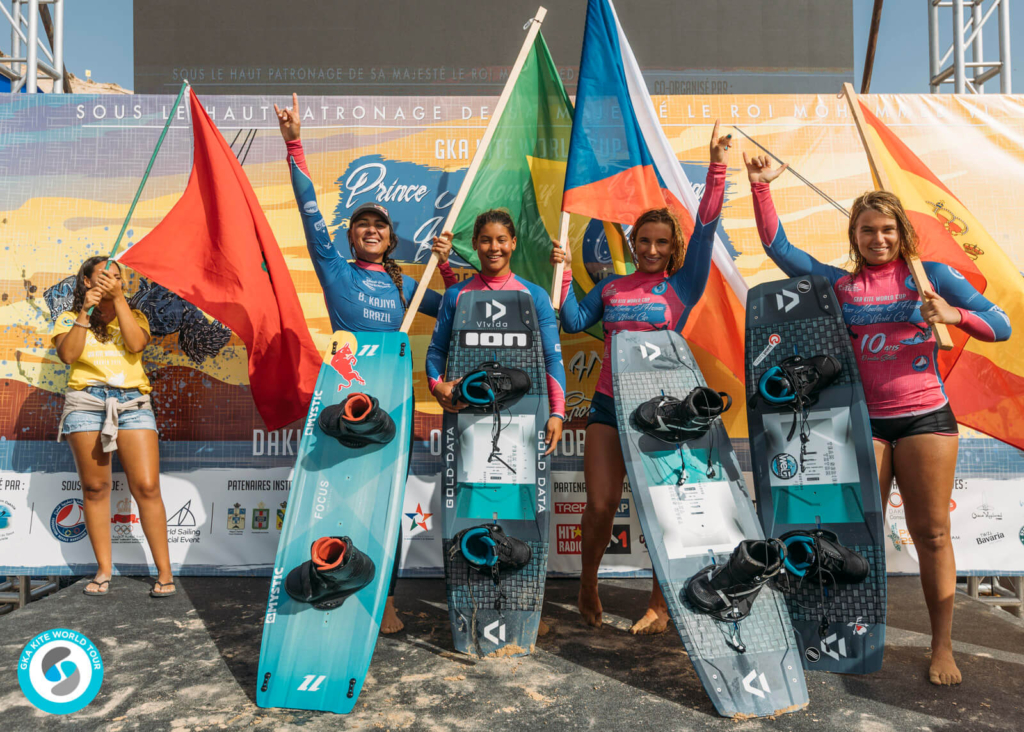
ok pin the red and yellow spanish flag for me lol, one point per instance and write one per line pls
(984, 381)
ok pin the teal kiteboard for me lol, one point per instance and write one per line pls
(694, 509)
(317, 657)
(825, 480)
(510, 489)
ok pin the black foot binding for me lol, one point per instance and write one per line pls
(357, 422)
(336, 570)
(727, 591)
(489, 550)
(798, 380)
(671, 420)
(818, 557)
(492, 386)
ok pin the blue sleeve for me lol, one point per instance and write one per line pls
(690, 280)
(980, 318)
(578, 316)
(431, 302)
(331, 268)
(553, 365)
(776, 244)
(437, 353)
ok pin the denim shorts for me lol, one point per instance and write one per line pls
(83, 421)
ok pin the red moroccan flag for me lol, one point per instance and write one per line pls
(216, 250)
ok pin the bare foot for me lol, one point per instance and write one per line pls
(943, 671)
(590, 605)
(390, 623)
(654, 621)
(543, 629)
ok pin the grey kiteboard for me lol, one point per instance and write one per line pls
(694, 509)
(827, 480)
(502, 618)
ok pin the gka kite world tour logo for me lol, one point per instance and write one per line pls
(60, 671)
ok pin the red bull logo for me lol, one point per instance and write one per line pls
(344, 362)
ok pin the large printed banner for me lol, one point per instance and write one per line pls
(69, 167)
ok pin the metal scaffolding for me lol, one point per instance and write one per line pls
(24, 64)
(969, 34)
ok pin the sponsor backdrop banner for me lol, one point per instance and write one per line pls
(70, 165)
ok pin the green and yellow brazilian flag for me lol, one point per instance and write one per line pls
(523, 171)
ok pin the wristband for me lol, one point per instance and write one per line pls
(81, 325)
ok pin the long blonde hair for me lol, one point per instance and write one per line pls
(887, 204)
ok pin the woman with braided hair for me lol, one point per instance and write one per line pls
(369, 293)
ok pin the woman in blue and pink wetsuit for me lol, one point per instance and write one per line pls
(369, 293)
(668, 281)
(494, 239)
(914, 429)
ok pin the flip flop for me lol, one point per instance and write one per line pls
(97, 593)
(154, 593)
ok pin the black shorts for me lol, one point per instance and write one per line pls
(940, 422)
(602, 411)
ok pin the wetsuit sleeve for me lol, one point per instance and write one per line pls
(553, 365)
(431, 301)
(578, 316)
(447, 274)
(690, 280)
(331, 268)
(437, 353)
(790, 260)
(979, 318)
(566, 284)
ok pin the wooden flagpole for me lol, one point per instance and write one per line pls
(563, 242)
(924, 287)
(474, 166)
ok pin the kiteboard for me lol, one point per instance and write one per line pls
(694, 509)
(828, 482)
(512, 490)
(314, 658)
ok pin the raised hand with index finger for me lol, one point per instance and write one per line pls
(288, 119)
(719, 145)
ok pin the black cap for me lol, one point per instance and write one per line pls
(371, 207)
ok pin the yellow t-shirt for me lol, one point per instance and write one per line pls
(110, 363)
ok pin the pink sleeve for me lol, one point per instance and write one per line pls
(556, 398)
(431, 383)
(974, 326)
(714, 193)
(566, 284)
(764, 213)
(296, 153)
(448, 274)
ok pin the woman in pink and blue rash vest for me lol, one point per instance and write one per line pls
(369, 293)
(669, 280)
(913, 426)
(494, 239)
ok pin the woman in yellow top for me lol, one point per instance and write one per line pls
(107, 408)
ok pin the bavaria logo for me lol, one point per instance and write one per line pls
(310, 207)
(67, 522)
(60, 671)
(920, 363)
